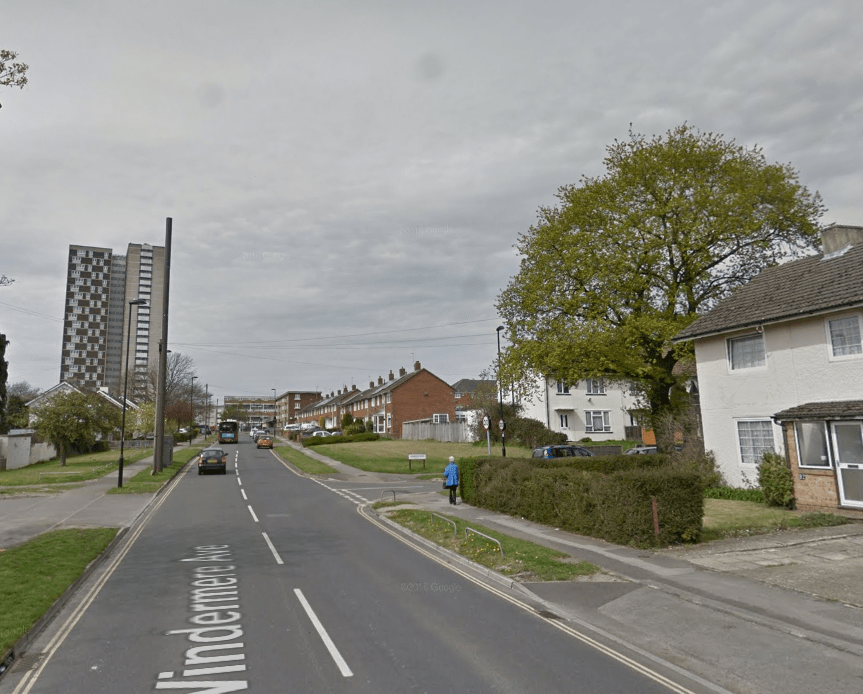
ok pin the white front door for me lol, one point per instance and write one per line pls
(848, 445)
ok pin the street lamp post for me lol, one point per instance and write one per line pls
(192, 408)
(133, 302)
(500, 395)
(275, 423)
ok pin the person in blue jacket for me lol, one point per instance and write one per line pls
(450, 475)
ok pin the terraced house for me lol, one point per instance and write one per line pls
(417, 394)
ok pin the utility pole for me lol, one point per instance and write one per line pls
(159, 442)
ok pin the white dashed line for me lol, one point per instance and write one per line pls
(253, 515)
(328, 642)
(273, 549)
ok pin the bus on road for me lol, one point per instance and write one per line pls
(229, 431)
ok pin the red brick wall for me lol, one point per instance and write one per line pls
(818, 490)
(420, 397)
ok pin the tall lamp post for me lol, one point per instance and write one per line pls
(192, 408)
(500, 396)
(133, 302)
(275, 424)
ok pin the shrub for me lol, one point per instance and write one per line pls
(776, 481)
(356, 427)
(531, 433)
(734, 494)
(324, 440)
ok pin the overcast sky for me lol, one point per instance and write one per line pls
(347, 179)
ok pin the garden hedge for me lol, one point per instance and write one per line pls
(608, 497)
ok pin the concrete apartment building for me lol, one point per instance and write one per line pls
(99, 286)
(290, 404)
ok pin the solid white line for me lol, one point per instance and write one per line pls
(273, 549)
(243, 492)
(325, 637)
(253, 515)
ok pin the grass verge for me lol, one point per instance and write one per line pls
(522, 560)
(300, 460)
(388, 455)
(728, 518)
(82, 465)
(145, 482)
(33, 575)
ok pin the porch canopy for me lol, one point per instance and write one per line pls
(822, 411)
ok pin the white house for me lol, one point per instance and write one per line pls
(591, 408)
(788, 341)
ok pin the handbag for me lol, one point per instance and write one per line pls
(444, 484)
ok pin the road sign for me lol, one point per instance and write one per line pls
(501, 425)
(486, 421)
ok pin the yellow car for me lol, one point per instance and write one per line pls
(265, 441)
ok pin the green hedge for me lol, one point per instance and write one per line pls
(734, 494)
(323, 440)
(608, 498)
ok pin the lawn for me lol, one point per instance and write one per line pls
(50, 562)
(145, 482)
(300, 460)
(392, 456)
(521, 560)
(87, 467)
(727, 518)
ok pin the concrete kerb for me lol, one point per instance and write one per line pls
(451, 557)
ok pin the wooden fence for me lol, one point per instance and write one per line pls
(449, 432)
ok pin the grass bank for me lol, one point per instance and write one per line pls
(33, 575)
(728, 518)
(300, 460)
(79, 468)
(388, 455)
(522, 560)
(145, 482)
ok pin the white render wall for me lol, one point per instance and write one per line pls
(800, 369)
(547, 406)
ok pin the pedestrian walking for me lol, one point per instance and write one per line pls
(450, 477)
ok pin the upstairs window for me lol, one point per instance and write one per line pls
(746, 352)
(845, 336)
(595, 386)
(562, 388)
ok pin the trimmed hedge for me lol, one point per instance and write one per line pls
(608, 498)
(322, 440)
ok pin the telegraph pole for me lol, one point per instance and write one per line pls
(159, 442)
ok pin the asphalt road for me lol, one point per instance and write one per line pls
(264, 580)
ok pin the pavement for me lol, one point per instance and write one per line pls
(771, 613)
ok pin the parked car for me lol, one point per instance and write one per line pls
(322, 432)
(642, 450)
(562, 451)
(264, 441)
(212, 459)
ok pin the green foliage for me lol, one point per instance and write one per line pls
(234, 412)
(325, 440)
(531, 433)
(74, 420)
(627, 260)
(734, 494)
(607, 497)
(776, 481)
(17, 414)
(347, 420)
(356, 427)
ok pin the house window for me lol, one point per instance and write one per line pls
(562, 388)
(296, 405)
(746, 352)
(811, 444)
(564, 421)
(755, 437)
(440, 418)
(389, 399)
(595, 386)
(389, 422)
(845, 336)
(461, 416)
(457, 395)
(596, 421)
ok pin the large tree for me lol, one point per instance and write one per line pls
(75, 420)
(627, 259)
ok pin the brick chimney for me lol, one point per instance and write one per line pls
(353, 387)
(391, 375)
(380, 381)
(417, 366)
(402, 372)
(371, 384)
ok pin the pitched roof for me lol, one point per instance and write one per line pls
(469, 385)
(819, 284)
(835, 409)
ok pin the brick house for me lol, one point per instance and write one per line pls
(291, 403)
(780, 368)
(417, 394)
